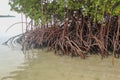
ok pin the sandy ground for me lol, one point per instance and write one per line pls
(50, 67)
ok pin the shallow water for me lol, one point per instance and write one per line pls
(9, 60)
(47, 66)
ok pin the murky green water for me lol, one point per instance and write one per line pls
(43, 65)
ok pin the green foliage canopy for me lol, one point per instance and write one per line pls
(44, 9)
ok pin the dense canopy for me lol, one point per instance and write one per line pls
(45, 9)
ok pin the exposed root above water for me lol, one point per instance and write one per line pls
(76, 37)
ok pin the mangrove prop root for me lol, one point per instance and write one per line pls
(77, 37)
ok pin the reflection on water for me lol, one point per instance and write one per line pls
(47, 66)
